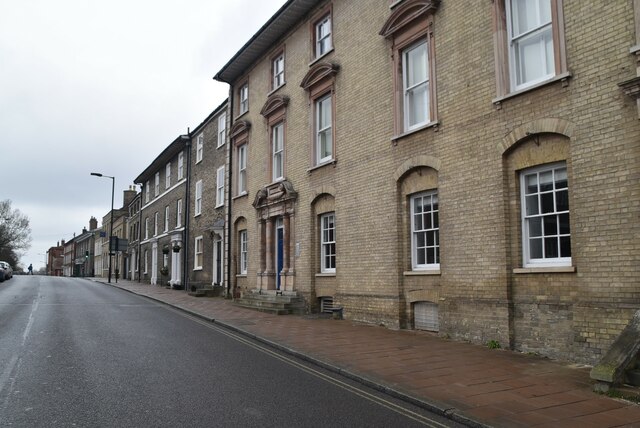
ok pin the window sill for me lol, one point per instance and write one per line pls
(274, 90)
(219, 206)
(331, 162)
(422, 272)
(564, 77)
(435, 125)
(197, 268)
(241, 195)
(326, 275)
(220, 146)
(241, 275)
(395, 3)
(545, 269)
(197, 215)
(320, 57)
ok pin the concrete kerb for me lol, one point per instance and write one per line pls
(432, 406)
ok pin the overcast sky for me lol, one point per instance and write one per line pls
(88, 86)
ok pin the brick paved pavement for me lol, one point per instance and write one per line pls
(468, 382)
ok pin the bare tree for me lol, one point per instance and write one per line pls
(15, 234)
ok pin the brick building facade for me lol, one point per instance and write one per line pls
(206, 208)
(162, 216)
(474, 174)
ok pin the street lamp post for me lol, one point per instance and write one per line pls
(113, 186)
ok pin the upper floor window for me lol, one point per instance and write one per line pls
(410, 29)
(199, 147)
(220, 187)
(277, 151)
(243, 96)
(529, 37)
(323, 36)
(156, 218)
(425, 231)
(324, 129)
(198, 203)
(147, 191)
(546, 234)
(222, 129)
(415, 86)
(242, 169)
(328, 243)
(277, 68)
(157, 184)
(167, 176)
(166, 218)
(180, 166)
(531, 41)
(146, 228)
(179, 213)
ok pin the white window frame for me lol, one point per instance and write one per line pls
(178, 213)
(557, 169)
(277, 152)
(244, 251)
(327, 244)
(327, 130)
(146, 228)
(198, 199)
(180, 166)
(277, 66)
(244, 98)
(409, 90)
(541, 31)
(167, 177)
(166, 218)
(242, 169)
(222, 129)
(199, 147)
(147, 190)
(157, 188)
(155, 223)
(146, 262)
(198, 253)
(423, 229)
(220, 187)
(320, 37)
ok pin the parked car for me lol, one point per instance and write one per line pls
(7, 270)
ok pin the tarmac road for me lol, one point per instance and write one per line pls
(76, 353)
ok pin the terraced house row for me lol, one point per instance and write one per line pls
(463, 167)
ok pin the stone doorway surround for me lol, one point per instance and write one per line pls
(271, 202)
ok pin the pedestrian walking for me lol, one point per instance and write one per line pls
(30, 269)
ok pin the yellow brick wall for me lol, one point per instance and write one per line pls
(569, 315)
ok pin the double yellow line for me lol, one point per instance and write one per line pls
(327, 378)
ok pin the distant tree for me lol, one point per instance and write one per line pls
(15, 234)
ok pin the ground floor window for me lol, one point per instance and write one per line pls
(425, 231)
(243, 252)
(197, 260)
(328, 243)
(546, 235)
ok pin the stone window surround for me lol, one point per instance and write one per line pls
(313, 22)
(279, 52)
(275, 113)
(239, 135)
(501, 51)
(409, 23)
(320, 82)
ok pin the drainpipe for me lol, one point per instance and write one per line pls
(230, 187)
(187, 216)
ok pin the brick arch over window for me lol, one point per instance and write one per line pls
(539, 126)
(323, 203)
(321, 191)
(415, 162)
